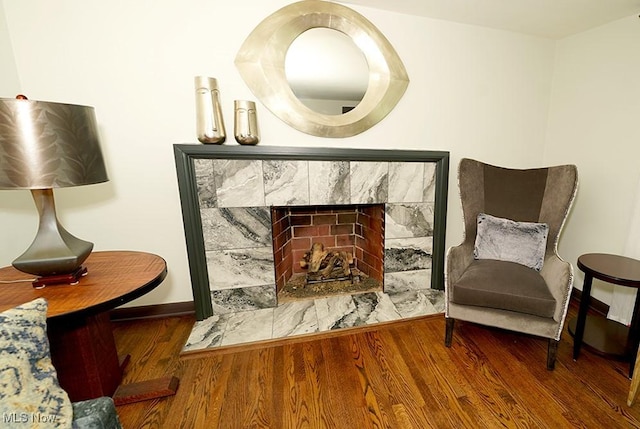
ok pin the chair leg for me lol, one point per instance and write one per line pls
(448, 335)
(551, 354)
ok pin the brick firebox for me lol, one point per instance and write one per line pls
(357, 229)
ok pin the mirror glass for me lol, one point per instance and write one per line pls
(262, 57)
(327, 72)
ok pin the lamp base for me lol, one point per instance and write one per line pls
(54, 251)
(69, 279)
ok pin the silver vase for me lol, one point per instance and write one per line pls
(209, 122)
(246, 122)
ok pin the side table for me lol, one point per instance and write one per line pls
(603, 335)
(83, 348)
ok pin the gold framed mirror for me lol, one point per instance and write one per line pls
(262, 57)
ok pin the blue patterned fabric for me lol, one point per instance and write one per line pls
(30, 396)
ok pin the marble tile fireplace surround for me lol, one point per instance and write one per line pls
(250, 213)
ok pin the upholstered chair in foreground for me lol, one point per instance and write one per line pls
(30, 395)
(507, 272)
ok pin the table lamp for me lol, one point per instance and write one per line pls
(45, 145)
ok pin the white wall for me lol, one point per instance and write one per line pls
(475, 92)
(594, 117)
(8, 71)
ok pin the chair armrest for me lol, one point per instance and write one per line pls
(458, 259)
(558, 275)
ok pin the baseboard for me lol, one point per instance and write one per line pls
(187, 308)
(153, 311)
(594, 305)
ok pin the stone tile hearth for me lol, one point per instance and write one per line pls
(312, 316)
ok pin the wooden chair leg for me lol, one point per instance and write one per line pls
(635, 383)
(552, 351)
(448, 335)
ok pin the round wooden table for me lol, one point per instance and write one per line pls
(83, 349)
(605, 336)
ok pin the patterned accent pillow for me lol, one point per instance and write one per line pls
(30, 395)
(508, 240)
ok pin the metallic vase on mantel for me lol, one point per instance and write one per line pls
(209, 122)
(246, 122)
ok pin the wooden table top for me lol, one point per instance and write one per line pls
(113, 278)
(616, 269)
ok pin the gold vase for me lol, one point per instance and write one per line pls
(209, 122)
(246, 122)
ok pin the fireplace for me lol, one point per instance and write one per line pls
(347, 241)
(252, 213)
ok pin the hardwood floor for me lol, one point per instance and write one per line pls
(393, 376)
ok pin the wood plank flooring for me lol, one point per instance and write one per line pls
(393, 376)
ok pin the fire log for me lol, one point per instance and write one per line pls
(321, 261)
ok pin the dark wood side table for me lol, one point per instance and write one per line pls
(605, 336)
(83, 348)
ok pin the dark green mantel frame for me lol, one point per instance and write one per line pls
(185, 154)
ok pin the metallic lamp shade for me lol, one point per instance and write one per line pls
(46, 145)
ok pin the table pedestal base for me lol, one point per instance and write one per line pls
(83, 351)
(84, 354)
(145, 390)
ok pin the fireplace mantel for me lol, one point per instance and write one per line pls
(218, 182)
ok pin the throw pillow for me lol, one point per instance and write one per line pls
(29, 391)
(508, 240)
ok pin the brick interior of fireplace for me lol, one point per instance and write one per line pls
(357, 229)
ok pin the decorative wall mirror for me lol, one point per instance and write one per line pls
(265, 65)
(326, 71)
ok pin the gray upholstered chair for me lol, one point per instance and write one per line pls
(484, 284)
(99, 413)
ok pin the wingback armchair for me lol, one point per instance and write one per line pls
(507, 272)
